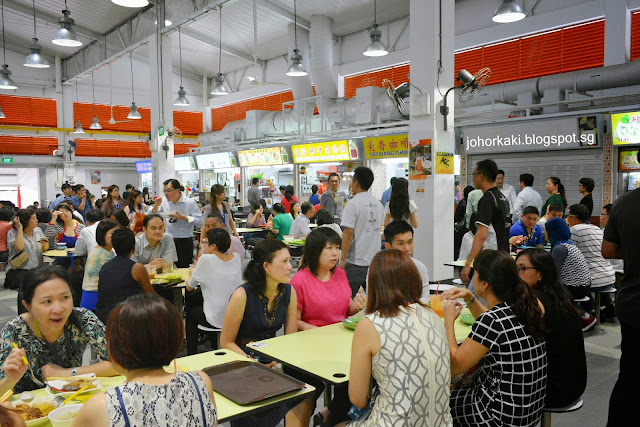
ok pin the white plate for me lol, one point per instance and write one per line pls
(61, 383)
(38, 399)
(169, 213)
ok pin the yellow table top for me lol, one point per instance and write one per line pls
(182, 272)
(323, 352)
(460, 263)
(55, 253)
(226, 408)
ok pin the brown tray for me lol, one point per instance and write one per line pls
(247, 382)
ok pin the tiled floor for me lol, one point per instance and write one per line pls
(603, 353)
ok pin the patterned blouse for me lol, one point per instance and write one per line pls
(66, 351)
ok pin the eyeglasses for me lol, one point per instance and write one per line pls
(524, 268)
(165, 191)
(476, 173)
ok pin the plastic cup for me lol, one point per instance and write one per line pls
(436, 304)
(151, 269)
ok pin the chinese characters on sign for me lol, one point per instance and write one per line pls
(333, 151)
(383, 147)
(420, 160)
(263, 157)
(626, 128)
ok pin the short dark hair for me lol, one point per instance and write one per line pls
(219, 237)
(254, 181)
(396, 227)
(607, 207)
(255, 206)
(94, 215)
(530, 210)
(149, 217)
(6, 214)
(526, 179)
(306, 207)
(324, 217)
(314, 189)
(24, 215)
(128, 186)
(103, 228)
(65, 186)
(556, 207)
(315, 244)
(363, 176)
(123, 241)
(37, 276)
(121, 217)
(500, 172)
(175, 184)
(43, 215)
(278, 208)
(78, 187)
(588, 184)
(333, 174)
(488, 168)
(144, 332)
(581, 212)
(217, 216)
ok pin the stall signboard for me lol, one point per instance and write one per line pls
(263, 157)
(184, 164)
(629, 161)
(384, 147)
(216, 160)
(626, 128)
(332, 151)
(143, 166)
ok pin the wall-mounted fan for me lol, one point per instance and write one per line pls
(470, 85)
(397, 94)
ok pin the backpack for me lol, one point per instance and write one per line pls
(503, 204)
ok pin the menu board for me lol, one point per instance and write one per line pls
(143, 166)
(184, 163)
(216, 160)
(626, 128)
(628, 161)
(332, 151)
(263, 157)
(383, 147)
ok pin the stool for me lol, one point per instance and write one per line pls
(546, 414)
(212, 331)
(583, 299)
(597, 298)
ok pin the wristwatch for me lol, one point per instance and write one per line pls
(471, 300)
(74, 372)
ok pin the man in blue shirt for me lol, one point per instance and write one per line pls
(387, 193)
(527, 229)
(80, 201)
(66, 195)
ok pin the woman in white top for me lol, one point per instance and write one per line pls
(400, 207)
(135, 204)
(218, 275)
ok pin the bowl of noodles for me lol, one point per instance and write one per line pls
(34, 413)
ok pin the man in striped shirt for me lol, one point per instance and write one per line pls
(588, 238)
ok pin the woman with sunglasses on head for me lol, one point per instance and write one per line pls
(567, 373)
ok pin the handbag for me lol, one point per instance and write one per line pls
(19, 260)
(356, 413)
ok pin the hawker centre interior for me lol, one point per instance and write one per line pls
(221, 140)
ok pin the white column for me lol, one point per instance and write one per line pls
(244, 186)
(617, 32)
(434, 197)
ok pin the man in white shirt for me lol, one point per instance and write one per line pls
(215, 220)
(300, 226)
(506, 189)
(154, 245)
(362, 219)
(527, 197)
(87, 237)
(399, 235)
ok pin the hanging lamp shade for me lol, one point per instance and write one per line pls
(95, 123)
(78, 128)
(296, 69)
(66, 35)
(35, 59)
(133, 114)
(182, 98)
(5, 78)
(2, 116)
(376, 47)
(508, 11)
(130, 3)
(219, 88)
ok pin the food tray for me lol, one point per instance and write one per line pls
(246, 382)
(168, 283)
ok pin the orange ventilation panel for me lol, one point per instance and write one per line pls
(635, 35)
(26, 111)
(111, 148)
(84, 113)
(28, 145)
(189, 122)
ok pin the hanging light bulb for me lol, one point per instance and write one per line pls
(94, 123)
(133, 114)
(35, 59)
(5, 75)
(130, 3)
(218, 88)
(376, 47)
(182, 94)
(296, 69)
(2, 116)
(66, 35)
(78, 128)
(508, 11)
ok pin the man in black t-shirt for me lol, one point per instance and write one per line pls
(621, 241)
(490, 213)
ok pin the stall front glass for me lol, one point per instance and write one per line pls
(188, 175)
(271, 166)
(219, 168)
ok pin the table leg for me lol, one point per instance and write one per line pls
(327, 393)
(177, 300)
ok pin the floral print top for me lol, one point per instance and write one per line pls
(83, 328)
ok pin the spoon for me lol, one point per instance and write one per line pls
(27, 396)
(58, 401)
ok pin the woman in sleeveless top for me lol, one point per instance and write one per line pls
(402, 344)
(217, 204)
(150, 395)
(400, 206)
(258, 309)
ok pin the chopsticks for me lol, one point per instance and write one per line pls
(6, 396)
(24, 359)
(75, 394)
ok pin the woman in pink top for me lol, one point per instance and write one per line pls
(324, 295)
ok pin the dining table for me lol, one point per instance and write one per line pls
(226, 409)
(59, 253)
(176, 289)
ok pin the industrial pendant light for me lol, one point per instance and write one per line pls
(130, 3)
(218, 88)
(296, 69)
(35, 59)
(5, 74)
(95, 124)
(133, 114)
(78, 128)
(66, 35)
(182, 95)
(376, 47)
(508, 11)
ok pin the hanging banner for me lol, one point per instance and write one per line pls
(420, 159)
(444, 163)
(384, 147)
(628, 161)
(626, 128)
(263, 157)
(332, 151)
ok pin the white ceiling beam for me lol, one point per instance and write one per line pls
(302, 23)
(215, 43)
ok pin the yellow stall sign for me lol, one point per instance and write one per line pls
(262, 157)
(332, 151)
(384, 147)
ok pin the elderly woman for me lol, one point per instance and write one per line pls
(52, 335)
(25, 242)
(145, 333)
(63, 228)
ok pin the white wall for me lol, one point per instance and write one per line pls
(119, 177)
(27, 178)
